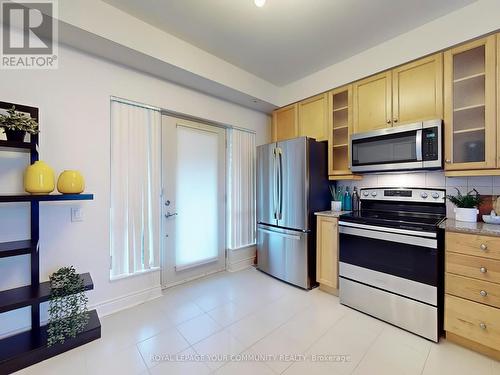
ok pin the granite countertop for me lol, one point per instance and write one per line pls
(452, 225)
(331, 213)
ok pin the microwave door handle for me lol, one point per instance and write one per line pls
(418, 144)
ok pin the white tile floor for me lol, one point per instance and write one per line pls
(253, 314)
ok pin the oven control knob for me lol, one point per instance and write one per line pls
(374, 193)
(365, 193)
(424, 195)
(435, 195)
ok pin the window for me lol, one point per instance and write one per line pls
(135, 189)
(241, 190)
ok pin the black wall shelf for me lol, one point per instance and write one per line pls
(17, 146)
(14, 248)
(16, 298)
(29, 347)
(44, 197)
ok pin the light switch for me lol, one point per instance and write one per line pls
(76, 214)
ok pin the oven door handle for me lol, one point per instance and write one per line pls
(389, 230)
(392, 237)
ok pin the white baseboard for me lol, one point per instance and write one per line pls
(239, 259)
(129, 300)
(241, 264)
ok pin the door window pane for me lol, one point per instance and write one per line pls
(197, 229)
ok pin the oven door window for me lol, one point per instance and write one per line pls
(409, 261)
(385, 149)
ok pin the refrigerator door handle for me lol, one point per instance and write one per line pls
(284, 235)
(280, 185)
(275, 185)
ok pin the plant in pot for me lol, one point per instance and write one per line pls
(68, 313)
(16, 124)
(466, 205)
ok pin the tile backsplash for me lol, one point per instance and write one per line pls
(486, 185)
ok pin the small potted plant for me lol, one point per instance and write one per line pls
(466, 205)
(16, 124)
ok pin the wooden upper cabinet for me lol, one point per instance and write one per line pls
(313, 117)
(340, 125)
(417, 91)
(372, 103)
(470, 105)
(285, 123)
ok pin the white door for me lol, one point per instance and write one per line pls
(193, 199)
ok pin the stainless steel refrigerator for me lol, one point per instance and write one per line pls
(292, 184)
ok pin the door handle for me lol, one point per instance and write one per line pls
(275, 184)
(418, 145)
(280, 192)
(168, 214)
(284, 235)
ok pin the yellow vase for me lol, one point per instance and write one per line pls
(39, 178)
(70, 182)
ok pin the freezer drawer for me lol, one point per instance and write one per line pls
(283, 253)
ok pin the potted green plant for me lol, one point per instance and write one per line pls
(68, 312)
(16, 124)
(466, 206)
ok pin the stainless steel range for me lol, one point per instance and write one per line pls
(391, 258)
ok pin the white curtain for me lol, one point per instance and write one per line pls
(241, 190)
(135, 188)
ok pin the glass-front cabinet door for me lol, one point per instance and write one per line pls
(470, 124)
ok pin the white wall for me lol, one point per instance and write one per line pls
(485, 185)
(74, 103)
(474, 20)
(100, 18)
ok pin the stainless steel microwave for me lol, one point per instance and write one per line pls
(405, 147)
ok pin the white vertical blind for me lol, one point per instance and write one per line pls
(135, 188)
(241, 189)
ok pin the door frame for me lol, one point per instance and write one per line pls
(168, 277)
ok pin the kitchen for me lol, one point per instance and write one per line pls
(409, 139)
(255, 186)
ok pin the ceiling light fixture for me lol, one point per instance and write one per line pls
(259, 3)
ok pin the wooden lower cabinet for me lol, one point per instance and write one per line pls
(327, 254)
(472, 292)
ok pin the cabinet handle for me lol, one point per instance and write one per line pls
(482, 325)
(395, 120)
(483, 293)
(483, 270)
(447, 161)
(388, 121)
(483, 247)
